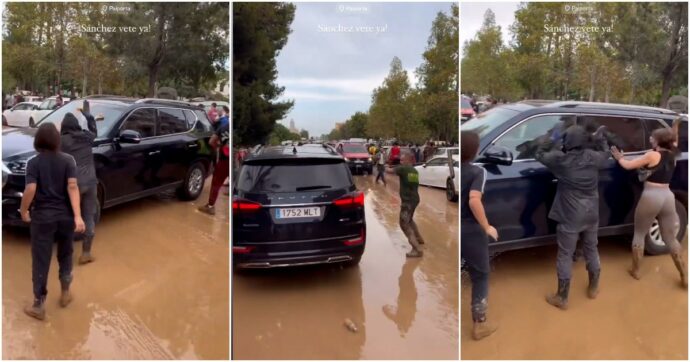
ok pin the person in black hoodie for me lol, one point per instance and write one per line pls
(78, 142)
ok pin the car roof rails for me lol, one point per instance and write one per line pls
(167, 102)
(612, 106)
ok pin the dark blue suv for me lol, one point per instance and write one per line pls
(296, 205)
(519, 190)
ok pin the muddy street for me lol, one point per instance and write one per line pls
(630, 319)
(157, 290)
(402, 309)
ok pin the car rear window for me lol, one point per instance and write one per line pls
(291, 177)
(466, 103)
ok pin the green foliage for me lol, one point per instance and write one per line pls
(281, 133)
(183, 45)
(639, 55)
(260, 31)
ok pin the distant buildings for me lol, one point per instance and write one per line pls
(292, 128)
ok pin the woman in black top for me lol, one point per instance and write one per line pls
(475, 231)
(51, 205)
(657, 200)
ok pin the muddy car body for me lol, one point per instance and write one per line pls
(143, 147)
(519, 190)
(296, 205)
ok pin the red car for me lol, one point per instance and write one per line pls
(466, 110)
(356, 156)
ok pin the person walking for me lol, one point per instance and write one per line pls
(380, 160)
(576, 205)
(220, 141)
(657, 201)
(78, 143)
(50, 205)
(409, 199)
(475, 231)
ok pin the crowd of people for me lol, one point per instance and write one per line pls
(574, 155)
(60, 197)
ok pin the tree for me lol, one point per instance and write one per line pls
(260, 31)
(304, 134)
(281, 133)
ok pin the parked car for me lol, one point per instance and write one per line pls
(143, 147)
(519, 190)
(296, 205)
(436, 173)
(18, 116)
(466, 110)
(356, 156)
(48, 105)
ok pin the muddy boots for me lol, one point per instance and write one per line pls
(560, 299)
(682, 268)
(481, 328)
(593, 288)
(66, 296)
(37, 309)
(86, 256)
(637, 254)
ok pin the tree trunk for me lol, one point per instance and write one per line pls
(154, 65)
(674, 57)
(153, 77)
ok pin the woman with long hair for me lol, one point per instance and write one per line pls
(657, 201)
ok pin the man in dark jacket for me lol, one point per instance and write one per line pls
(78, 143)
(576, 207)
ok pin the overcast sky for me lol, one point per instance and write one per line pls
(330, 67)
(472, 17)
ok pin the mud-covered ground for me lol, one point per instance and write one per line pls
(630, 319)
(157, 290)
(402, 308)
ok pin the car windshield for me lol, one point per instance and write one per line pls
(354, 149)
(466, 103)
(293, 177)
(106, 114)
(486, 122)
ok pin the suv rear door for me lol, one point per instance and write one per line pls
(273, 185)
(174, 140)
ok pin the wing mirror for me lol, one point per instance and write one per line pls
(129, 136)
(497, 155)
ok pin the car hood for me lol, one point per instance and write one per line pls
(17, 142)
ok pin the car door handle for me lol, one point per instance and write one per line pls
(554, 181)
(192, 145)
(154, 153)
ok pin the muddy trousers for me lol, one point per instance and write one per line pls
(567, 236)
(474, 251)
(408, 225)
(657, 202)
(88, 197)
(381, 170)
(43, 235)
(220, 173)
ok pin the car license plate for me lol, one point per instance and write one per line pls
(298, 212)
(359, 161)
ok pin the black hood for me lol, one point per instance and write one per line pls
(575, 137)
(70, 124)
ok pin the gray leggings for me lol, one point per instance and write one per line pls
(657, 202)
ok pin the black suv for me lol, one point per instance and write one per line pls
(519, 190)
(143, 147)
(296, 205)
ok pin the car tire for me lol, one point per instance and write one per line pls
(31, 122)
(193, 183)
(451, 193)
(653, 244)
(354, 262)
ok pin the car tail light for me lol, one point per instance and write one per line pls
(242, 249)
(240, 205)
(356, 241)
(355, 199)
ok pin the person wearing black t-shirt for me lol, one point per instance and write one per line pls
(51, 205)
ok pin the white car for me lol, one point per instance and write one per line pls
(47, 106)
(18, 116)
(443, 151)
(436, 173)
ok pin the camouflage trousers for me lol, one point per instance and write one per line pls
(408, 225)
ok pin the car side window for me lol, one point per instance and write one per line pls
(204, 124)
(651, 125)
(171, 121)
(524, 140)
(625, 133)
(142, 120)
(438, 161)
(191, 118)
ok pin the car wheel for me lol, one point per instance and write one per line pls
(354, 262)
(193, 183)
(32, 123)
(451, 195)
(654, 244)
